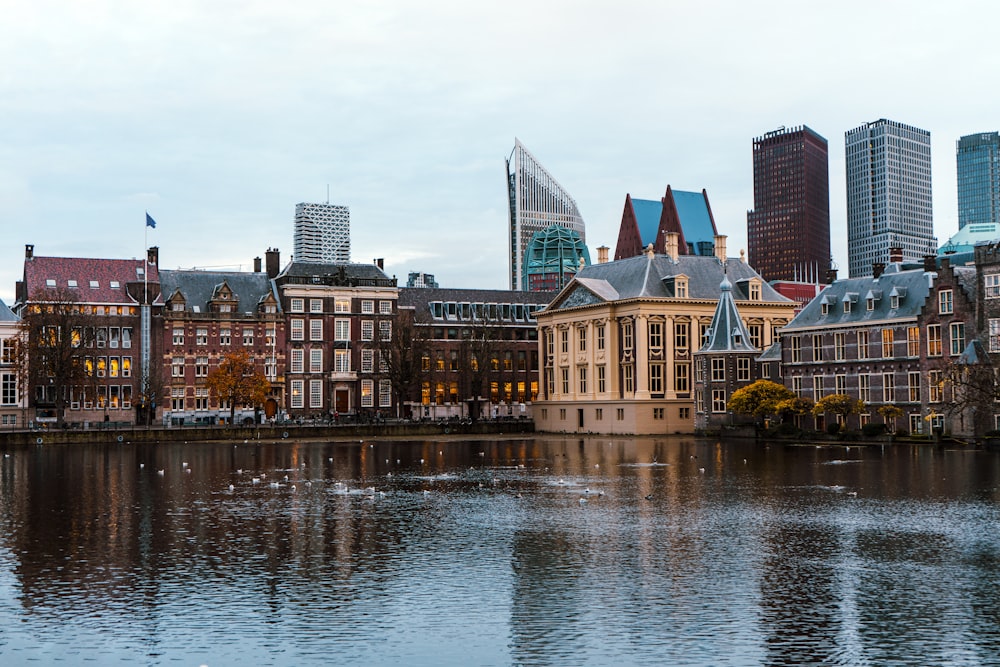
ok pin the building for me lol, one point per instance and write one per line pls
(788, 230)
(888, 194)
(12, 399)
(333, 313)
(535, 201)
(457, 327)
(552, 258)
(419, 279)
(322, 233)
(208, 314)
(617, 344)
(978, 162)
(888, 339)
(646, 221)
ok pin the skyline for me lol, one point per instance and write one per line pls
(218, 120)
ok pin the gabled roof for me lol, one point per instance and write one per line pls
(6, 314)
(647, 216)
(646, 275)
(647, 221)
(974, 354)
(199, 287)
(93, 278)
(727, 333)
(772, 353)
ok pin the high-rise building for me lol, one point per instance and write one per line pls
(978, 159)
(888, 194)
(322, 233)
(552, 258)
(788, 230)
(536, 200)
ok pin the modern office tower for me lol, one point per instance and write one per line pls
(888, 194)
(421, 279)
(788, 230)
(978, 158)
(552, 258)
(536, 200)
(322, 233)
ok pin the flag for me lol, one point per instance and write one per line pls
(150, 222)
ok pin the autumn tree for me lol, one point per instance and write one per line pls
(890, 413)
(237, 380)
(841, 405)
(398, 357)
(796, 406)
(760, 399)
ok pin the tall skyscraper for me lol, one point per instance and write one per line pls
(888, 194)
(978, 158)
(322, 233)
(788, 230)
(536, 200)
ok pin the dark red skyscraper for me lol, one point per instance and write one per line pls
(788, 231)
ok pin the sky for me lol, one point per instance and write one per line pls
(218, 117)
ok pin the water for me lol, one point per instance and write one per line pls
(540, 551)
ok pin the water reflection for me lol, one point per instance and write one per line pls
(560, 551)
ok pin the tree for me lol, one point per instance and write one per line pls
(400, 357)
(759, 399)
(237, 380)
(839, 404)
(974, 390)
(890, 413)
(796, 406)
(479, 355)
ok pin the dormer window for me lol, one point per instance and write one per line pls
(50, 282)
(754, 290)
(94, 284)
(893, 302)
(847, 306)
(870, 303)
(115, 284)
(71, 283)
(681, 287)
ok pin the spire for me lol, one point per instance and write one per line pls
(727, 333)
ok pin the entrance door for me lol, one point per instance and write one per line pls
(342, 400)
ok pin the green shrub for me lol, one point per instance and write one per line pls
(871, 429)
(833, 428)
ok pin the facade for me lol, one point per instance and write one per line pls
(511, 372)
(889, 340)
(788, 231)
(617, 344)
(978, 162)
(686, 214)
(419, 279)
(322, 233)
(552, 258)
(536, 201)
(112, 304)
(333, 312)
(888, 194)
(13, 411)
(206, 315)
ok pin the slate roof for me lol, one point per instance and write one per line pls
(648, 276)
(351, 270)
(198, 288)
(6, 314)
(420, 297)
(772, 353)
(727, 333)
(911, 286)
(39, 270)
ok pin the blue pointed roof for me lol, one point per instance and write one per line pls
(647, 217)
(727, 333)
(696, 221)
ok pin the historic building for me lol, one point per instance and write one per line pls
(788, 230)
(889, 202)
(535, 201)
(686, 214)
(617, 344)
(333, 312)
(449, 320)
(12, 399)
(206, 315)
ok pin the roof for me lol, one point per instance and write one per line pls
(94, 280)
(652, 276)
(199, 287)
(696, 220)
(727, 333)
(772, 353)
(351, 270)
(6, 314)
(647, 217)
(419, 297)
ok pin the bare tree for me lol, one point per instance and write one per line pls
(479, 352)
(399, 357)
(968, 389)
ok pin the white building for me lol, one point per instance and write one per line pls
(322, 233)
(888, 194)
(12, 400)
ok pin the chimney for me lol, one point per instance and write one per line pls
(930, 263)
(29, 251)
(153, 255)
(877, 268)
(720, 247)
(380, 263)
(831, 276)
(272, 262)
(895, 255)
(671, 245)
(602, 255)
(256, 264)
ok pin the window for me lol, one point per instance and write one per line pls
(824, 308)
(935, 387)
(956, 332)
(581, 374)
(913, 341)
(297, 391)
(945, 302)
(718, 400)
(888, 388)
(655, 330)
(298, 328)
(994, 334)
(367, 329)
(839, 347)
(620, 414)
(367, 307)
(177, 367)
(599, 414)
(743, 369)
(797, 385)
(865, 387)
(176, 399)
(367, 361)
(933, 340)
(817, 387)
(682, 330)
(718, 369)
(656, 378)
(564, 373)
(316, 360)
(657, 413)
(601, 379)
(755, 291)
(817, 341)
(913, 386)
(599, 335)
(680, 288)
(862, 345)
(384, 393)
(341, 330)
(342, 306)
(8, 389)
(887, 341)
(315, 393)
(564, 341)
(296, 363)
(126, 367)
(581, 339)
(315, 305)
(247, 336)
(795, 348)
(628, 379)
(201, 367)
(756, 335)
(682, 378)
(178, 337)
(385, 307)
(315, 329)
(297, 306)
(840, 384)
(225, 336)
(627, 336)
(367, 387)
(992, 285)
(342, 361)
(385, 330)
(201, 336)
(684, 413)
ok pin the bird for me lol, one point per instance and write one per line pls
(701, 470)
(141, 465)
(231, 487)
(582, 500)
(184, 464)
(294, 489)
(255, 480)
(649, 496)
(159, 472)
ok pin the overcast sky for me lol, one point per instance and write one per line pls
(218, 117)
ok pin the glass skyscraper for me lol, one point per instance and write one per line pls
(978, 159)
(888, 194)
(536, 200)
